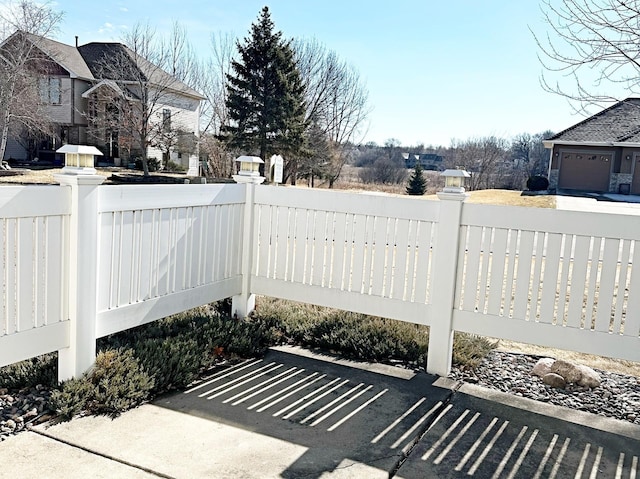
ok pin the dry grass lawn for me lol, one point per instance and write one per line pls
(40, 177)
(511, 198)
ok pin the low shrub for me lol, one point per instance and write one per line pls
(537, 183)
(115, 383)
(152, 163)
(175, 167)
(469, 350)
(175, 350)
(39, 370)
(353, 335)
(358, 336)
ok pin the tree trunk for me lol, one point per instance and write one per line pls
(5, 134)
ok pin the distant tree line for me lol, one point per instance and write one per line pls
(493, 162)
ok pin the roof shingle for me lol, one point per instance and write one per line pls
(617, 124)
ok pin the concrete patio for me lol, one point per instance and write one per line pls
(294, 414)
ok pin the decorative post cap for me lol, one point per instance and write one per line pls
(249, 170)
(454, 180)
(79, 159)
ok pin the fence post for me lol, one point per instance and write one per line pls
(245, 302)
(82, 274)
(445, 265)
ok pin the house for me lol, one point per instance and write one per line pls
(428, 161)
(599, 154)
(89, 89)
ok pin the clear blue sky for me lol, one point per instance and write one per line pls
(435, 70)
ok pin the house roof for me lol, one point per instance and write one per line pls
(114, 86)
(66, 56)
(618, 124)
(131, 67)
(86, 62)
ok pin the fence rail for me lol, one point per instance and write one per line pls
(564, 279)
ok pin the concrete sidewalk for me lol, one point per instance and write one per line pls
(293, 415)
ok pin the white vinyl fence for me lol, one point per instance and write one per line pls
(81, 261)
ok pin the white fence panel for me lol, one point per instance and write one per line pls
(564, 280)
(164, 249)
(33, 234)
(362, 252)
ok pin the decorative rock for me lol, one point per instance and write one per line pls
(589, 378)
(542, 367)
(554, 380)
(31, 413)
(618, 395)
(569, 371)
(11, 424)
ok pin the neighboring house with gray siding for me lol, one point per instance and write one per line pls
(73, 92)
(599, 154)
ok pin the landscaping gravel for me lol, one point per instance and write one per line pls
(22, 408)
(618, 396)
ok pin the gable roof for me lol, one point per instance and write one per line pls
(114, 86)
(618, 124)
(66, 56)
(132, 67)
(85, 62)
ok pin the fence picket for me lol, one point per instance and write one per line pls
(379, 253)
(499, 256)
(399, 276)
(607, 278)
(594, 275)
(423, 259)
(621, 286)
(523, 274)
(339, 251)
(578, 281)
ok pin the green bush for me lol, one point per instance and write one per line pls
(469, 350)
(173, 362)
(175, 167)
(114, 384)
(152, 163)
(537, 183)
(362, 337)
(175, 350)
(39, 370)
(353, 335)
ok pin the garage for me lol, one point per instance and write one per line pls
(585, 172)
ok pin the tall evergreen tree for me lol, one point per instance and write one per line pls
(265, 96)
(417, 184)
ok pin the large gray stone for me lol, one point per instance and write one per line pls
(569, 371)
(542, 367)
(554, 380)
(589, 378)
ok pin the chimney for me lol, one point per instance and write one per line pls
(76, 41)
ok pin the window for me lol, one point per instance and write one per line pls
(166, 119)
(50, 90)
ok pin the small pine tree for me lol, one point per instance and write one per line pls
(417, 184)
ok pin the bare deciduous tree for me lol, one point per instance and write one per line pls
(22, 65)
(595, 46)
(483, 157)
(336, 99)
(214, 114)
(147, 94)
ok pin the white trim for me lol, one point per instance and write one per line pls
(626, 144)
